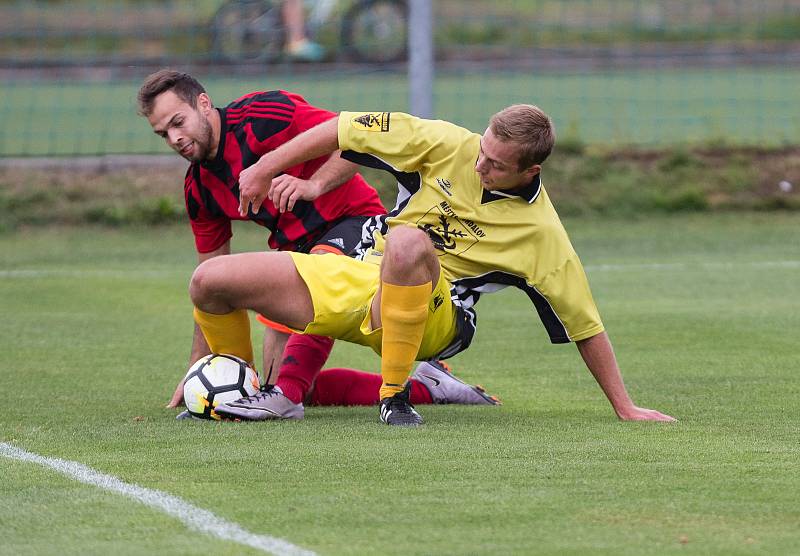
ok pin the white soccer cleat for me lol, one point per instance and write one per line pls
(270, 403)
(447, 389)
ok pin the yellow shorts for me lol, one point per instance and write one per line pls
(342, 290)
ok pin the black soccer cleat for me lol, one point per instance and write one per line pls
(397, 410)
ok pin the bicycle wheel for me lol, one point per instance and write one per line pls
(247, 31)
(376, 31)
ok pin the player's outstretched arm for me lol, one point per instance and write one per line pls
(286, 190)
(599, 357)
(254, 182)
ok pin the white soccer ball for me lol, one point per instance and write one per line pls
(216, 379)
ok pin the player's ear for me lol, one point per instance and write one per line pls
(204, 103)
(532, 172)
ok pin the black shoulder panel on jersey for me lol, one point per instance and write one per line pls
(264, 127)
(552, 323)
(409, 180)
(268, 113)
(261, 96)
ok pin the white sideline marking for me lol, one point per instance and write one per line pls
(192, 516)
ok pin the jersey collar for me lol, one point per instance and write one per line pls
(528, 192)
(219, 160)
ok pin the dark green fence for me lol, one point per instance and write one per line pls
(609, 71)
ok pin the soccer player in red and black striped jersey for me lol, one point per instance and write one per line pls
(219, 143)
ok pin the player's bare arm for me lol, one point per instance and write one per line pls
(199, 346)
(598, 354)
(254, 181)
(286, 190)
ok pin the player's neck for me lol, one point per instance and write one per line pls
(216, 131)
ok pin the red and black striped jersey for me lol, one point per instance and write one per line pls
(252, 126)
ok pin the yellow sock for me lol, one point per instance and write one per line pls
(404, 311)
(228, 333)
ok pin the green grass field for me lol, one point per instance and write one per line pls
(704, 312)
(754, 106)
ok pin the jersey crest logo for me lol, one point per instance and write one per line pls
(447, 231)
(375, 121)
(445, 185)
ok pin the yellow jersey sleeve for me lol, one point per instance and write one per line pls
(401, 140)
(567, 291)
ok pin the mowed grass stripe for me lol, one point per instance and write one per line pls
(161, 273)
(89, 363)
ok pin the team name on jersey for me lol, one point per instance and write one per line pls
(469, 223)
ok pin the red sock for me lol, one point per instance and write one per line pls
(303, 359)
(419, 393)
(351, 387)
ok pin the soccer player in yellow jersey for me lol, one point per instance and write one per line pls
(472, 217)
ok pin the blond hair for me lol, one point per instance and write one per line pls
(529, 127)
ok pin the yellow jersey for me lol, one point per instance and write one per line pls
(485, 240)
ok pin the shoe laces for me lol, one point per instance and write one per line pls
(402, 408)
(263, 393)
(400, 404)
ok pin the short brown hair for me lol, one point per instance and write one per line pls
(186, 87)
(528, 126)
